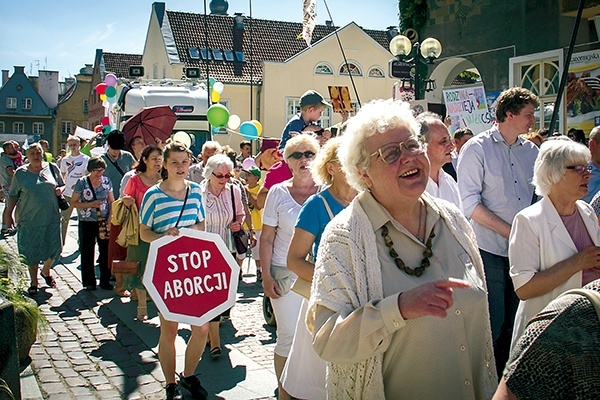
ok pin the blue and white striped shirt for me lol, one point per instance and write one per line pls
(160, 211)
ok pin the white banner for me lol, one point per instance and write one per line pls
(309, 21)
(467, 108)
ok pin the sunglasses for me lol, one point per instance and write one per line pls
(221, 176)
(319, 132)
(581, 169)
(298, 155)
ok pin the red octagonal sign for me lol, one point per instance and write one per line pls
(192, 277)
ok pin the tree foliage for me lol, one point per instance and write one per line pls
(413, 14)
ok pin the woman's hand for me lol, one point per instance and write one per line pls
(588, 258)
(235, 226)
(95, 204)
(128, 201)
(252, 237)
(270, 287)
(58, 191)
(429, 299)
(172, 232)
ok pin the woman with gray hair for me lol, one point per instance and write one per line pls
(217, 196)
(553, 244)
(398, 298)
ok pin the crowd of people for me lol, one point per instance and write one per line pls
(399, 260)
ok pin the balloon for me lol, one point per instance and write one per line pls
(248, 162)
(215, 97)
(102, 97)
(104, 121)
(234, 122)
(217, 115)
(101, 88)
(249, 130)
(110, 80)
(258, 126)
(110, 91)
(98, 129)
(211, 81)
(111, 100)
(216, 129)
(106, 129)
(219, 87)
(183, 138)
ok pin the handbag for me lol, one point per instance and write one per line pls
(124, 267)
(240, 238)
(63, 204)
(103, 225)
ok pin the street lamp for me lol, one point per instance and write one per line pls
(425, 52)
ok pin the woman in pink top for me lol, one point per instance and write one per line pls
(553, 244)
(148, 174)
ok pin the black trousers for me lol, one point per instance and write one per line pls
(88, 237)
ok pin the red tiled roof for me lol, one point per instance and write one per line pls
(271, 41)
(118, 63)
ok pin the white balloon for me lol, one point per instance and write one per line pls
(183, 138)
(219, 87)
(234, 122)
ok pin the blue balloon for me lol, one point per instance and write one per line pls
(216, 129)
(249, 130)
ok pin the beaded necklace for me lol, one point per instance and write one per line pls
(399, 263)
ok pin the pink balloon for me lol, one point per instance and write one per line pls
(110, 80)
(105, 121)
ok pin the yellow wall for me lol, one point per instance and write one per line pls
(72, 110)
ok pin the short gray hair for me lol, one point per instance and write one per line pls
(216, 162)
(376, 117)
(552, 159)
(595, 132)
(211, 144)
(299, 140)
(425, 120)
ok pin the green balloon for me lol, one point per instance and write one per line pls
(110, 91)
(217, 115)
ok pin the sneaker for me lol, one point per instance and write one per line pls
(173, 392)
(192, 384)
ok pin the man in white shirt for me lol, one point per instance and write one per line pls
(438, 145)
(72, 167)
(209, 149)
(495, 169)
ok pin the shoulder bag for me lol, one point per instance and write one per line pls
(63, 204)
(240, 238)
(103, 225)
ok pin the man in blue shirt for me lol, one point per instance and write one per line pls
(594, 182)
(495, 169)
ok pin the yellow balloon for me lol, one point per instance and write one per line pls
(258, 126)
(215, 97)
(102, 97)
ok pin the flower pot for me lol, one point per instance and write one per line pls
(25, 330)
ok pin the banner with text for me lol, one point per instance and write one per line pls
(467, 108)
(583, 91)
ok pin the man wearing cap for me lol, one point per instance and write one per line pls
(118, 161)
(312, 105)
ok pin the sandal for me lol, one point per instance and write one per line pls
(32, 290)
(215, 353)
(142, 313)
(122, 292)
(49, 280)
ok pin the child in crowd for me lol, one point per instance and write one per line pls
(312, 105)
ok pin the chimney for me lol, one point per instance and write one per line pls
(238, 21)
(48, 87)
(329, 24)
(4, 76)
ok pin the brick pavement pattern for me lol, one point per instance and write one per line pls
(93, 348)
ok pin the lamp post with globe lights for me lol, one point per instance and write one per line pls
(408, 69)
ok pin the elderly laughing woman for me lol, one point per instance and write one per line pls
(553, 244)
(398, 305)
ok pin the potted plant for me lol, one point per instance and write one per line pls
(29, 319)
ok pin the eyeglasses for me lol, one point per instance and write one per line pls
(98, 170)
(390, 153)
(581, 169)
(319, 132)
(298, 155)
(221, 176)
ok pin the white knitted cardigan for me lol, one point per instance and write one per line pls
(348, 276)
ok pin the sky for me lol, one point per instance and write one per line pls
(63, 35)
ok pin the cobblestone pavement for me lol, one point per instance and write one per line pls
(93, 347)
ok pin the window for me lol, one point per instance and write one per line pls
(205, 54)
(26, 103)
(38, 128)
(352, 67)
(18, 127)
(293, 107)
(376, 72)
(217, 55)
(85, 106)
(85, 124)
(11, 103)
(1, 126)
(228, 55)
(240, 56)
(324, 69)
(67, 127)
(194, 53)
(155, 71)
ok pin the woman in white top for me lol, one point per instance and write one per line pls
(282, 206)
(553, 245)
